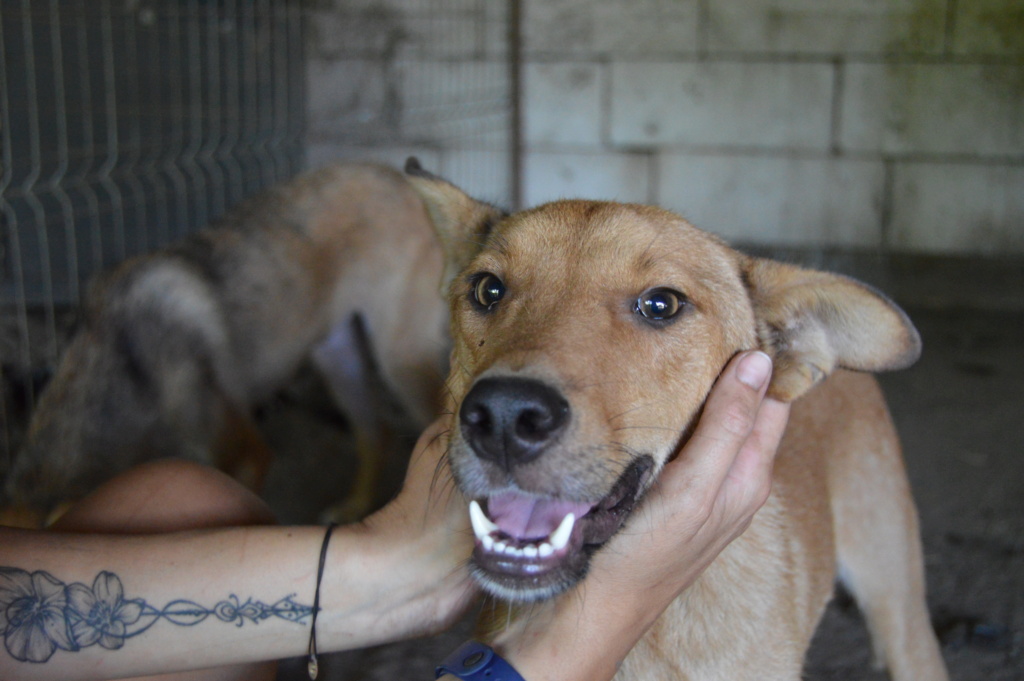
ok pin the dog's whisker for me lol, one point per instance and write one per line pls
(621, 447)
(627, 412)
(461, 367)
(641, 427)
(443, 480)
(593, 384)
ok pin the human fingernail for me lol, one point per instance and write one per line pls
(754, 369)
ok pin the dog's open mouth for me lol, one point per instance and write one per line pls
(531, 548)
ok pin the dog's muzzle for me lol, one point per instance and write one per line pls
(531, 546)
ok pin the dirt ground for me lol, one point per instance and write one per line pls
(960, 412)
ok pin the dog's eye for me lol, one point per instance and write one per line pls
(659, 304)
(487, 290)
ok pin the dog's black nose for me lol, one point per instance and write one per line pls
(510, 421)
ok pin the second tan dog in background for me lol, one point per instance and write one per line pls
(587, 336)
(176, 347)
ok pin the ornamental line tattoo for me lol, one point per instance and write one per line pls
(39, 613)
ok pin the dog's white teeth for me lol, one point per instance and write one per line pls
(482, 525)
(560, 537)
(485, 531)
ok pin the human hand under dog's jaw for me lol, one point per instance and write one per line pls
(427, 523)
(703, 500)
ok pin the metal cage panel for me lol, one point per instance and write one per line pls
(125, 125)
(129, 124)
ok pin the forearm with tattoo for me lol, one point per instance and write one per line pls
(40, 614)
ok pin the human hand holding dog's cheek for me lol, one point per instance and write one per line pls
(702, 500)
(722, 475)
(706, 497)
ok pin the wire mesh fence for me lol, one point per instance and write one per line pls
(127, 125)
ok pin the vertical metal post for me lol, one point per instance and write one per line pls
(231, 133)
(55, 184)
(131, 170)
(249, 118)
(214, 113)
(10, 216)
(151, 103)
(515, 63)
(296, 84)
(81, 179)
(195, 104)
(28, 185)
(263, 76)
(110, 111)
(173, 152)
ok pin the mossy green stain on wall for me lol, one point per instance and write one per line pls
(930, 106)
(995, 28)
(989, 27)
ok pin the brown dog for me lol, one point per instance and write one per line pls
(587, 336)
(177, 346)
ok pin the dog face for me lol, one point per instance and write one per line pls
(587, 336)
(586, 339)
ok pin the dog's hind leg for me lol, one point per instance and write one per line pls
(878, 544)
(346, 361)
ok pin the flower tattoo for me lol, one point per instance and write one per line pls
(101, 615)
(40, 614)
(33, 615)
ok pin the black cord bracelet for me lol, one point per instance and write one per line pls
(312, 666)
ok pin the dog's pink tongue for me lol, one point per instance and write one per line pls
(525, 517)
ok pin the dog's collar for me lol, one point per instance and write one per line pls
(474, 661)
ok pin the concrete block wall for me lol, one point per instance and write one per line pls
(892, 126)
(388, 79)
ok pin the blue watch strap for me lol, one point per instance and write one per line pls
(474, 661)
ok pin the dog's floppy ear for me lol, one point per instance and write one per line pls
(813, 322)
(461, 222)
